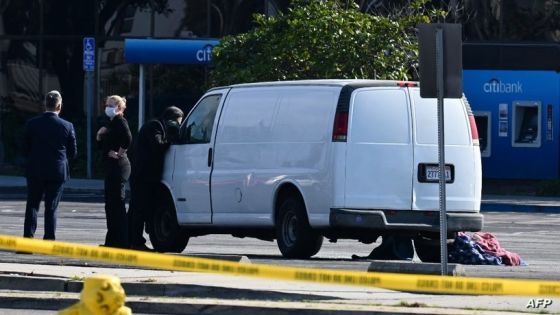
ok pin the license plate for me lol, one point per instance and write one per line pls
(432, 173)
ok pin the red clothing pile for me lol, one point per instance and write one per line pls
(489, 243)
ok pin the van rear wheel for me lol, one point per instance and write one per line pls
(165, 233)
(295, 238)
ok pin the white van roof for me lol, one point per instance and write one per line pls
(324, 82)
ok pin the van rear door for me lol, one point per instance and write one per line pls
(379, 156)
(460, 156)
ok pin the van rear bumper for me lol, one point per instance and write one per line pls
(405, 220)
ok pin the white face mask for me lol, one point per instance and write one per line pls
(111, 112)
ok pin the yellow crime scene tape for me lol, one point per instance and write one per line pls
(393, 281)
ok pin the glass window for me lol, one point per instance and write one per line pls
(68, 17)
(20, 17)
(130, 20)
(178, 85)
(62, 70)
(20, 75)
(198, 126)
(178, 22)
(20, 99)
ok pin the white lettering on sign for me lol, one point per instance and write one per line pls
(204, 54)
(495, 86)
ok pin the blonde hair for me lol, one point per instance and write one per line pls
(119, 101)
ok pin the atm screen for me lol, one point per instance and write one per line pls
(529, 126)
(526, 124)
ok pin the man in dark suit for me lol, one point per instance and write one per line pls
(49, 142)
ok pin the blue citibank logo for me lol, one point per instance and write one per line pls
(495, 86)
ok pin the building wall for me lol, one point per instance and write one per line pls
(41, 49)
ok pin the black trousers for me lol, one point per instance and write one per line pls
(143, 195)
(36, 188)
(116, 176)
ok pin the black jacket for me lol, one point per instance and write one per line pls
(118, 136)
(148, 151)
(48, 144)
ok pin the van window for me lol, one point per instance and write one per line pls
(199, 124)
(247, 116)
(456, 121)
(380, 116)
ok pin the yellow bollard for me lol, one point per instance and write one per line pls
(101, 295)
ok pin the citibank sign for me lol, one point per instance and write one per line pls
(204, 54)
(495, 86)
(169, 51)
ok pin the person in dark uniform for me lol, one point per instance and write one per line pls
(49, 142)
(115, 139)
(148, 150)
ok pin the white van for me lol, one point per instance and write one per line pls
(297, 161)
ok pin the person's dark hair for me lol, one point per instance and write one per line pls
(172, 113)
(52, 99)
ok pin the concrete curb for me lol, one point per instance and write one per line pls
(57, 301)
(408, 267)
(148, 289)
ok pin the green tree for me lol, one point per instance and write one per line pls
(323, 39)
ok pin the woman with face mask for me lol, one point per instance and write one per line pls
(115, 138)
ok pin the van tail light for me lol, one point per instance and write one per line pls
(474, 130)
(340, 129)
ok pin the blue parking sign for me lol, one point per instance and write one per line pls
(89, 54)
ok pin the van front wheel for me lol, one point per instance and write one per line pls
(165, 234)
(295, 238)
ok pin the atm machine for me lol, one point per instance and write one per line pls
(517, 116)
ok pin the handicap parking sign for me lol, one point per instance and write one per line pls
(89, 54)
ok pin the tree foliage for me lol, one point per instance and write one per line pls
(323, 39)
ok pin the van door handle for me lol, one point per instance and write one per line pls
(209, 157)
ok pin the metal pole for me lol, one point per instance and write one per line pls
(89, 110)
(441, 151)
(141, 97)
